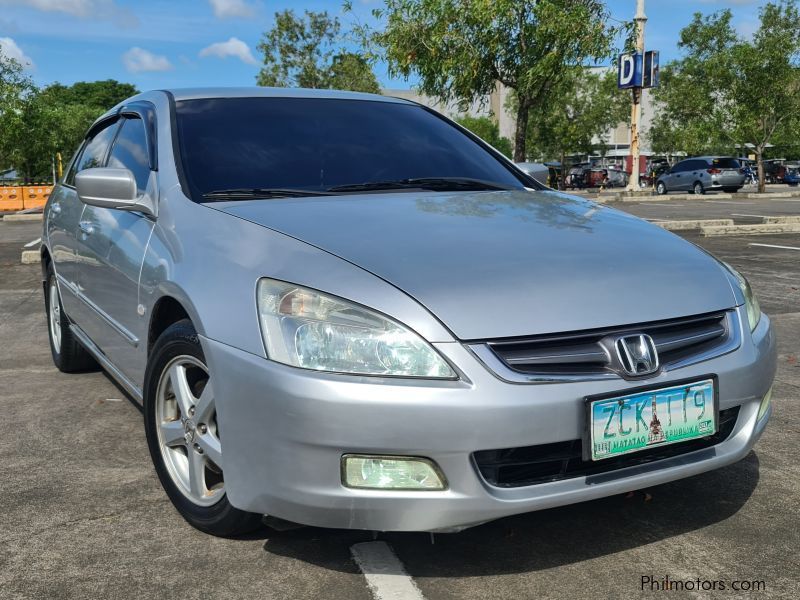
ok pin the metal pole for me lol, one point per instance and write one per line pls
(636, 110)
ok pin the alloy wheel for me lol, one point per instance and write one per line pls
(55, 317)
(188, 436)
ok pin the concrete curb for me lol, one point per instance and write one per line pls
(23, 217)
(31, 257)
(767, 195)
(779, 220)
(672, 197)
(693, 224)
(757, 229)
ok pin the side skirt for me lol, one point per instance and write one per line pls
(101, 358)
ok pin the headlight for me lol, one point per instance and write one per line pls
(305, 328)
(750, 300)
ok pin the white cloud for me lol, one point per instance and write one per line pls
(95, 9)
(139, 60)
(11, 50)
(232, 8)
(233, 47)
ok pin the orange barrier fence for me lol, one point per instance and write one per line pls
(24, 196)
(11, 198)
(35, 196)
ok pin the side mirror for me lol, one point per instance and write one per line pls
(111, 188)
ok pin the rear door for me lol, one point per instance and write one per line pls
(112, 244)
(696, 171)
(64, 214)
(676, 180)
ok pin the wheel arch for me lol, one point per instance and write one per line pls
(46, 259)
(167, 310)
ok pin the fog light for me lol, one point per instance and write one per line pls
(391, 473)
(765, 402)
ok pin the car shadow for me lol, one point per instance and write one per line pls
(544, 539)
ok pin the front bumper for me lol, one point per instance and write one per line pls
(285, 430)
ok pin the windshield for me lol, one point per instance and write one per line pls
(316, 144)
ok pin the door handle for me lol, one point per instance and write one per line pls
(86, 227)
(55, 207)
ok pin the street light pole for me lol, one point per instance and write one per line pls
(636, 111)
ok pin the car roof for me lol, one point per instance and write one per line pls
(268, 92)
(711, 157)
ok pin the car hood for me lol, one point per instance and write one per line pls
(509, 263)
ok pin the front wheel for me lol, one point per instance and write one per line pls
(661, 188)
(698, 188)
(184, 437)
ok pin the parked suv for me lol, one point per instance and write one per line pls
(702, 173)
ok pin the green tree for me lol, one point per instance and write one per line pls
(489, 131)
(15, 87)
(349, 71)
(461, 49)
(53, 120)
(307, 52)
(98, 94)
(584, 106)
(728, 90)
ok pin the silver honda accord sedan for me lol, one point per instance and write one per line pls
(344, 310)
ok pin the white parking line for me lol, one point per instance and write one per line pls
(739, 202)
(744, 215)
(386, 577)
(773, 246)
(33, 243)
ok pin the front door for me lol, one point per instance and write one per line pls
(111, 249)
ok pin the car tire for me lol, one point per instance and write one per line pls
(68, 354)
(698, 188)
(183, 436)
(661, 188)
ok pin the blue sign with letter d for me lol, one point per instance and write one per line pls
(629, 71)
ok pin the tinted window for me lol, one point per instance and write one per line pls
(317, 143)
(725, 163)
(682, 166)
(94, 152)
(130, 152)
(697, 165)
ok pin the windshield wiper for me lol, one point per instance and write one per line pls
(443, 184)
(261, 194)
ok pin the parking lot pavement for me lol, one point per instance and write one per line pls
(85, 517)
(741, 210)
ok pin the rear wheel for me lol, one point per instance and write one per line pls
(183, 435)
(661, 188)
(698, 189)
(68, 354)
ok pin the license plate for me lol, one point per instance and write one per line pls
(649, 418)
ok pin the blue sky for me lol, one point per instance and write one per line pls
(180, 43)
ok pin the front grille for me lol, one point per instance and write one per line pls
(590, 353)
(529, 465)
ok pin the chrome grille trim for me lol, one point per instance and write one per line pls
(585, 356)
